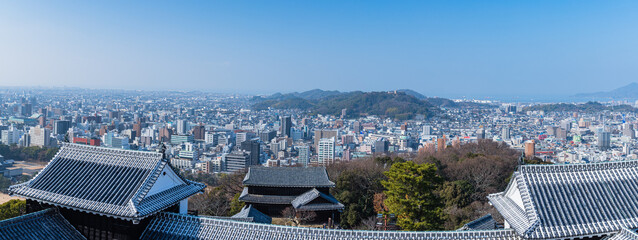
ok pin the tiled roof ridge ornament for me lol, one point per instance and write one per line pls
(162, 150)
(521, 160)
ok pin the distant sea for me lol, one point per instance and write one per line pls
(538, 98)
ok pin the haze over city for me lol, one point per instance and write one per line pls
(318, 120)
(438, 48)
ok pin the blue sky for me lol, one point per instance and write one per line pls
(438, 48)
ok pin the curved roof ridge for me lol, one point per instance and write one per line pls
(199, 227)
(550, 168)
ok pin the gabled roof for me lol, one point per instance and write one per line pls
(42, 225)
(255, 215)
(287, 177)
(303, 201)
(107, 181)
(564, 201)
(176, 226)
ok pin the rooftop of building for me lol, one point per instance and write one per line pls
(118, 183)
(310, 177)
(42, 225)
(561, 201)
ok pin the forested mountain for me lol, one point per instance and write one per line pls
(388, 104)
(400, 104)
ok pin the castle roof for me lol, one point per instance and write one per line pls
(124, 184)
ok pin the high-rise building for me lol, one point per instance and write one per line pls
(237, 161)
(561, 134)
(480, 134)
(254, 147)
(347, 139)
(103, 130)
(42, 121)
(326, 151)
(266, 136)
(346, 155)
(356, 127)
(427, 130)
(604, 140)
(61, 126)
(40, 137)
(240, 137)
(530, 149)
(319, 134)
(274, 147)
(44, 112)
(181, 127)
(566, 124)
(114, 115)
(199, 132)
(381, 145)
(165, 134)
(506, 133)
(628, 131)
(137, 127)
(626, 149)
(304, 155)
(211, 138)
(26, 109)
(10, 136)
(286, 124)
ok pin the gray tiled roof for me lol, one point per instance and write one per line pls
(265, 199)
(483, 223)
(561, 201)
(42, 225)
(255, 215)
(302, 202)
(104, 181)
(624, 234)
(288, 177)
(176, 226)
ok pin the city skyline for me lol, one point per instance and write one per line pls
(317, 120)
(447, 49)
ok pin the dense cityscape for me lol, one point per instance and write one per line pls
(318, 120)
(235, 142)
(217, 133)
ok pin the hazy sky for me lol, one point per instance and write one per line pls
(438, 48)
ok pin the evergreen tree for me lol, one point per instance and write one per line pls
(412, 196)
(12, 208)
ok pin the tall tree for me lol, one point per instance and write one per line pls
(356, 183)
(412, 196)
(12, 208)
